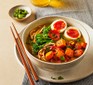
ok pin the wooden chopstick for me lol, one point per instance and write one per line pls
(23, 60)
(28, 60)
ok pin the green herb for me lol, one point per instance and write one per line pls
(61, 35)
(20, 13)
(53, 78)
(37, 47)
(46, 30)
(68, 46)
(74, 48)
(78, 40)
(42, 38)
(39, 39)
(47, 49)
(38, 36)
(60, 77)
(62, 58)
(45, 36)
(41, 46)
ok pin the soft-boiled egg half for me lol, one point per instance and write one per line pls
(59, 25)
(72, 33)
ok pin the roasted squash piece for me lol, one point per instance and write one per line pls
(69, 52)
(61, 43)
(78, 52)
(49, 55)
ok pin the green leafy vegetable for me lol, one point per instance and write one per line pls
(45, 36)
(41, 39)
(46, 30)
(37, 47)
(38, 36)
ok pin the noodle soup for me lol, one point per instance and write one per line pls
(56, 42)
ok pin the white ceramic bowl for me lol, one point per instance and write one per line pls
(55, 67)
(11, 12)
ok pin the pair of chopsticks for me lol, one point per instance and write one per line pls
(21, 52)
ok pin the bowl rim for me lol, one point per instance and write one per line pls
(17, 6)
(63, 63)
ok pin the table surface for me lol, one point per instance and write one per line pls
(11, 73)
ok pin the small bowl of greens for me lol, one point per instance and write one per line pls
(20, 12)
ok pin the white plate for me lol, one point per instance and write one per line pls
(82, 70)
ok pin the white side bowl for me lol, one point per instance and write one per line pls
(55, 67)
(11, 11)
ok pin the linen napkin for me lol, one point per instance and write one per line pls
(78, 9)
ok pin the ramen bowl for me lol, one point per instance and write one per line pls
(48, 66)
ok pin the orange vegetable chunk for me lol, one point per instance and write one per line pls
(61, 43)
(78, 52)
(69, 52)
(49, 55)
(78, 45)
(59, 52)
(83, 44)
